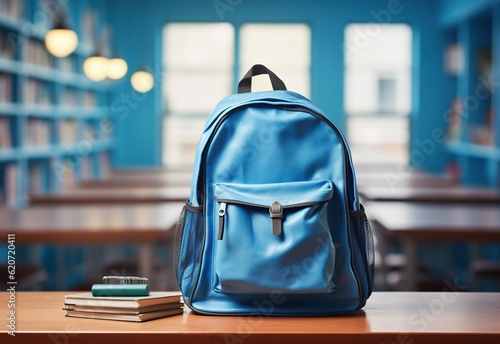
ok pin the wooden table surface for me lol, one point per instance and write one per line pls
(63, 224)
(437, 222)
(445, 317)
(386, 167)
(394, 180)
(144, 225)
(415, 223)
(113, 195)
(457, 194)
(150, 171)
(145, 179)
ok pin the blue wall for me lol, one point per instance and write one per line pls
(453, 11)
(137, 27)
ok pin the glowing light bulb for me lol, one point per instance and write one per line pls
(142, 81)
(61, 42)
(96, 67)
(117, 68)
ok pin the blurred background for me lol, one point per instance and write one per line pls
(102, 104)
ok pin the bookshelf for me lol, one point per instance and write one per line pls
(473, 57)
(49, 111)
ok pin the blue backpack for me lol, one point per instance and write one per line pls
(273, 225)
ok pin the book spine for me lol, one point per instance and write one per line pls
(120, 290)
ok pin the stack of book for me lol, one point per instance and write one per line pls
(124, 308)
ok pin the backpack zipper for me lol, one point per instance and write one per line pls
(221, 213)
(275, 213)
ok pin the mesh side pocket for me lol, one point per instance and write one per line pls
(363, 250)
(188, 244)
(369, 245)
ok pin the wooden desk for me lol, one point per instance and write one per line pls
(142, 224)
(414, 223)
(385, 167)
(140, 180)
(457, 194)
(150, 171)
(395, 180)
(447, 317)
(113, 195)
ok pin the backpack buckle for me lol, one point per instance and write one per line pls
(276, 213)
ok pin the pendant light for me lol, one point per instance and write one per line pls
(117, 68)
(61, 41)
(95, 67)
(142, 81)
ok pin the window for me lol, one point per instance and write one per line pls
(283, 48)
(198, 71)
(378, 90)
(198, 61)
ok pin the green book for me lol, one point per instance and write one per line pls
(120, 290)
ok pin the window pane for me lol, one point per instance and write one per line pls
(386, 46)
(363, 93)
(283, 48)
(377, 98)
(198, 72)
(196, 93)
(198, 46)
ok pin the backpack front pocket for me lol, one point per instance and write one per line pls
(274, 237)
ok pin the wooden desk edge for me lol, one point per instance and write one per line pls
(253, 338)
(446, 234)
(84, 236)
(191, 328)
(70, 200)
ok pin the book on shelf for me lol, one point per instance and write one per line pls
(124, 308)
(5, 139)
(5, 88)
(7, 45)
(36, 178)
(7, 48)
(67, 132)
(11, 177)
(36, 92)
(63, 171)
(105, 165)
(67, 177)
(12, 8)
(89, 99)
(38, 55)
(37, 133)
(86, 169)
(454, 59)
(69, 98)
(454, 120)
(483, 134)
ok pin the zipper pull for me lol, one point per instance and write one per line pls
(276, 213)
(221, 213)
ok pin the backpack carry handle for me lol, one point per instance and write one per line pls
(245, 84)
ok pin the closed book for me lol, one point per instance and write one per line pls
(131, 316)
(143, 309)
(154, 298)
